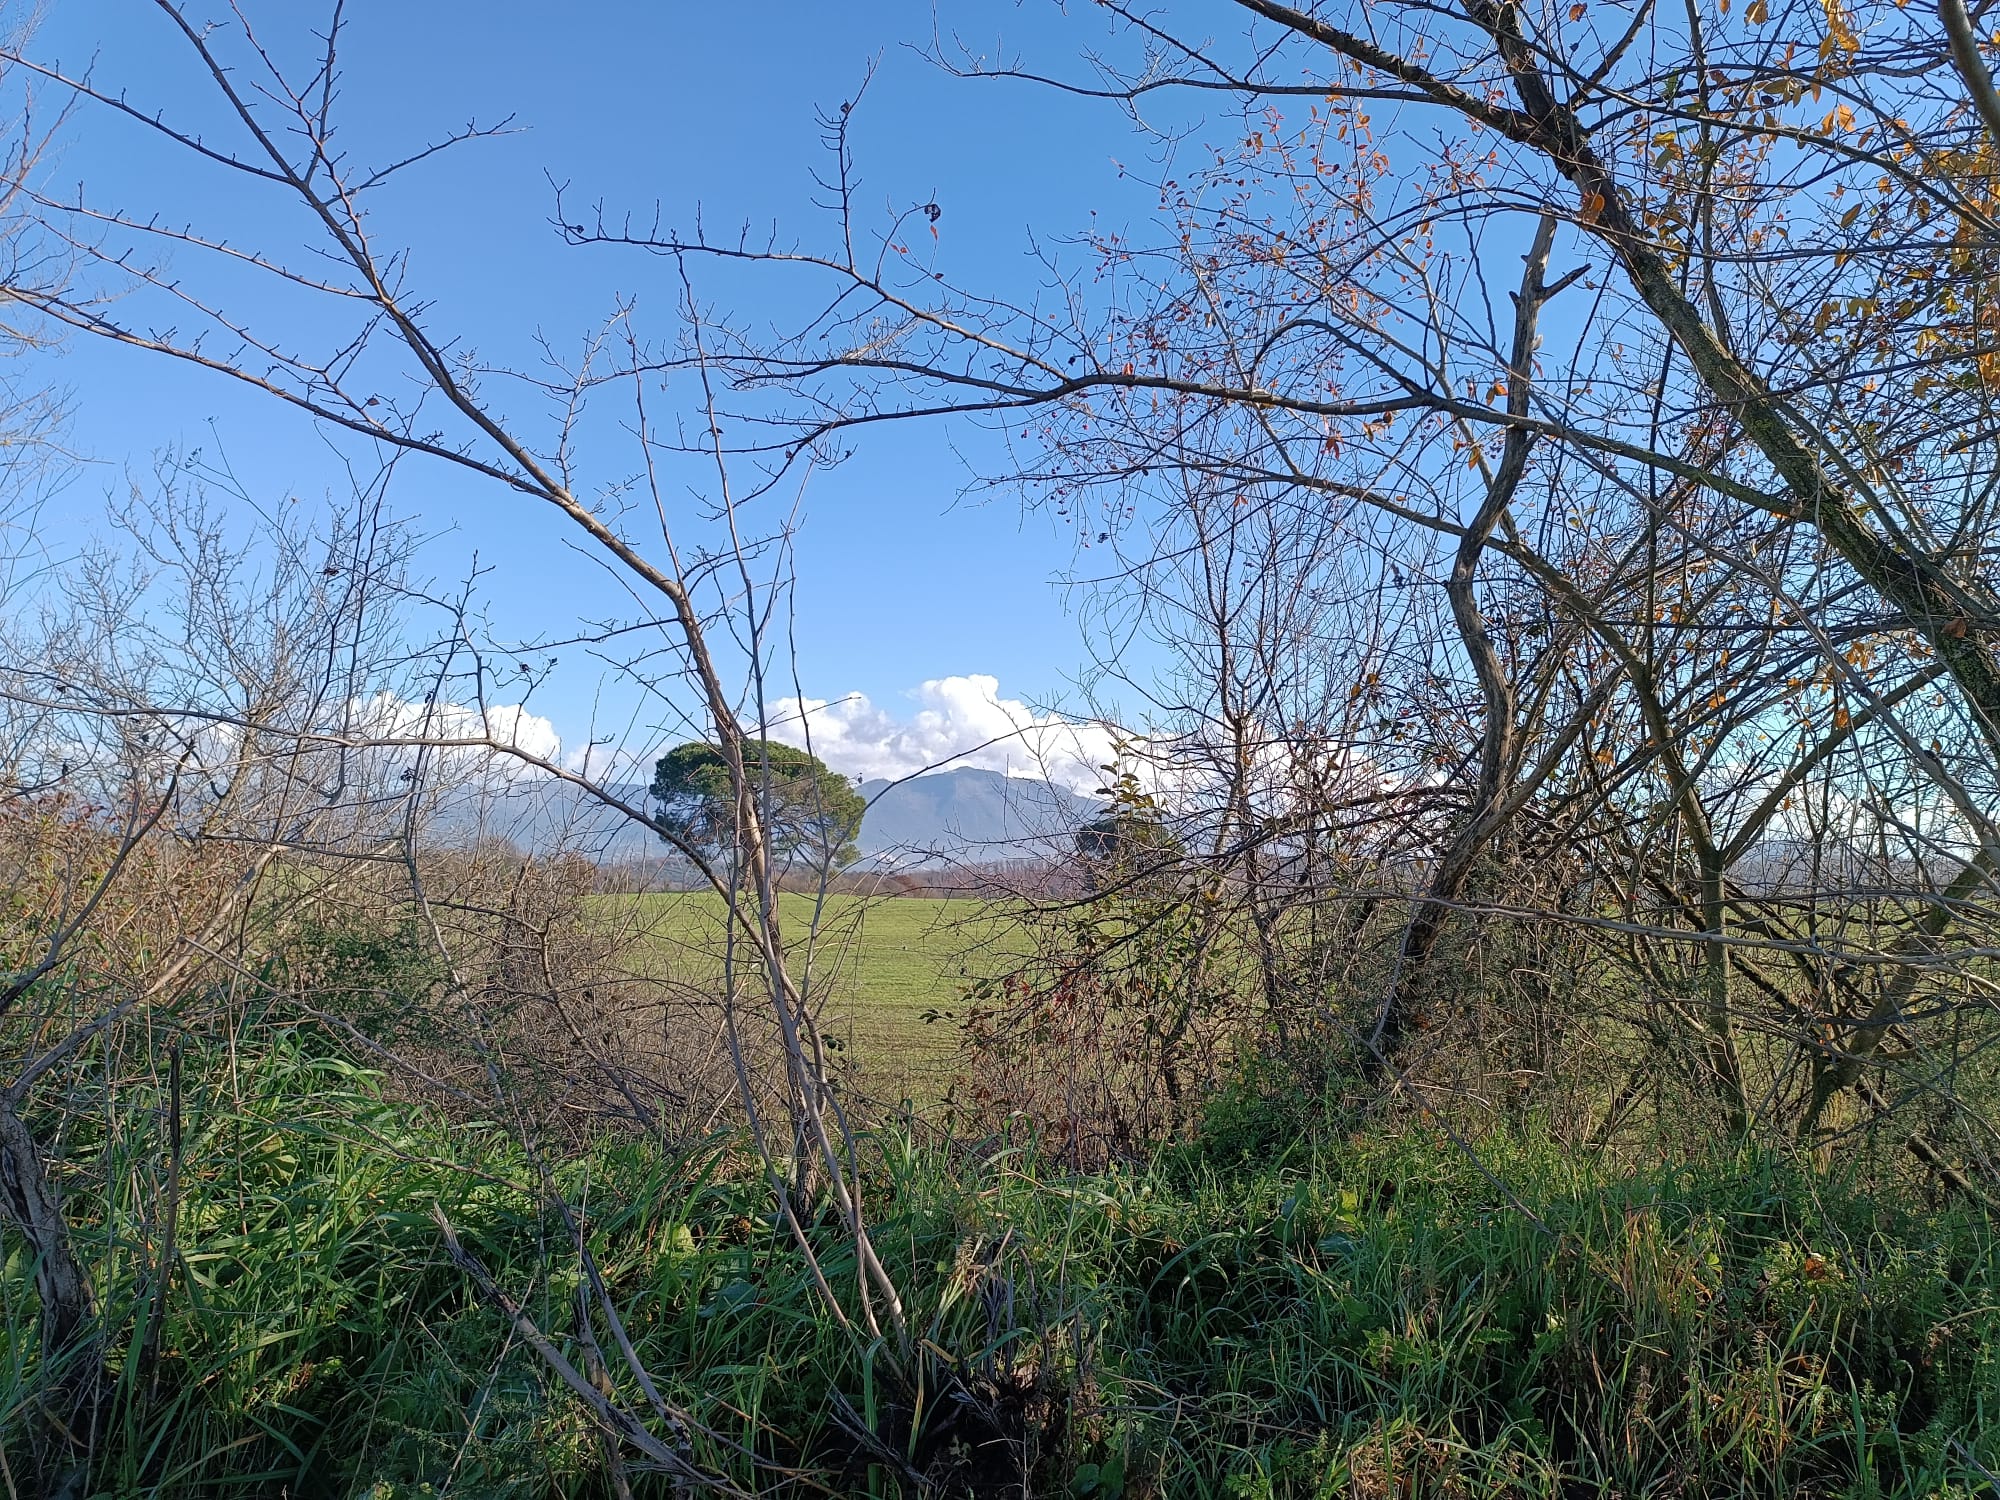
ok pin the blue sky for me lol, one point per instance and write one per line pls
(693, 106)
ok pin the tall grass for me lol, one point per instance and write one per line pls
(1365, 1317)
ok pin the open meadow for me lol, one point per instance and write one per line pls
(890, 972)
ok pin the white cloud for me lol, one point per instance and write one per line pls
(389, 717)
(951, 722)
(958, 721)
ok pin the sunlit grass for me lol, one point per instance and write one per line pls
(1371, 1317)
(889, 973)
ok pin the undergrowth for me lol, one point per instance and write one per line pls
(1345, 1316)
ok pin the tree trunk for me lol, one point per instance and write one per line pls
(71, 1373)
(1500, 736)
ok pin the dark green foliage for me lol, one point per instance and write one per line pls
(1370, 1317)
(1266, 1113)
(1121, 836)
(812, 813)
(1132, 840)
(378, 976)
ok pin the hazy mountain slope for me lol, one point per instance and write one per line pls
(970, 815)
(966, 815)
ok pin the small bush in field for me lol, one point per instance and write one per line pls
(373, 973)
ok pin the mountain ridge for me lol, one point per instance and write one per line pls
(967, 815)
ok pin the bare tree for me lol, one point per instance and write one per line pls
(389, 379)
(1644, 607)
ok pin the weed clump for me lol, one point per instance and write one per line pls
(1363, 1314)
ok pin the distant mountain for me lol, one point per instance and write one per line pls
(969, 816)
(540, 814)
(964, 816)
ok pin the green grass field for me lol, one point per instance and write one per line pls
(877, 965)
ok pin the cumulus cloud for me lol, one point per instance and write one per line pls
(390, 717)
(505, 723)
(954, 722)
(948, 722)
